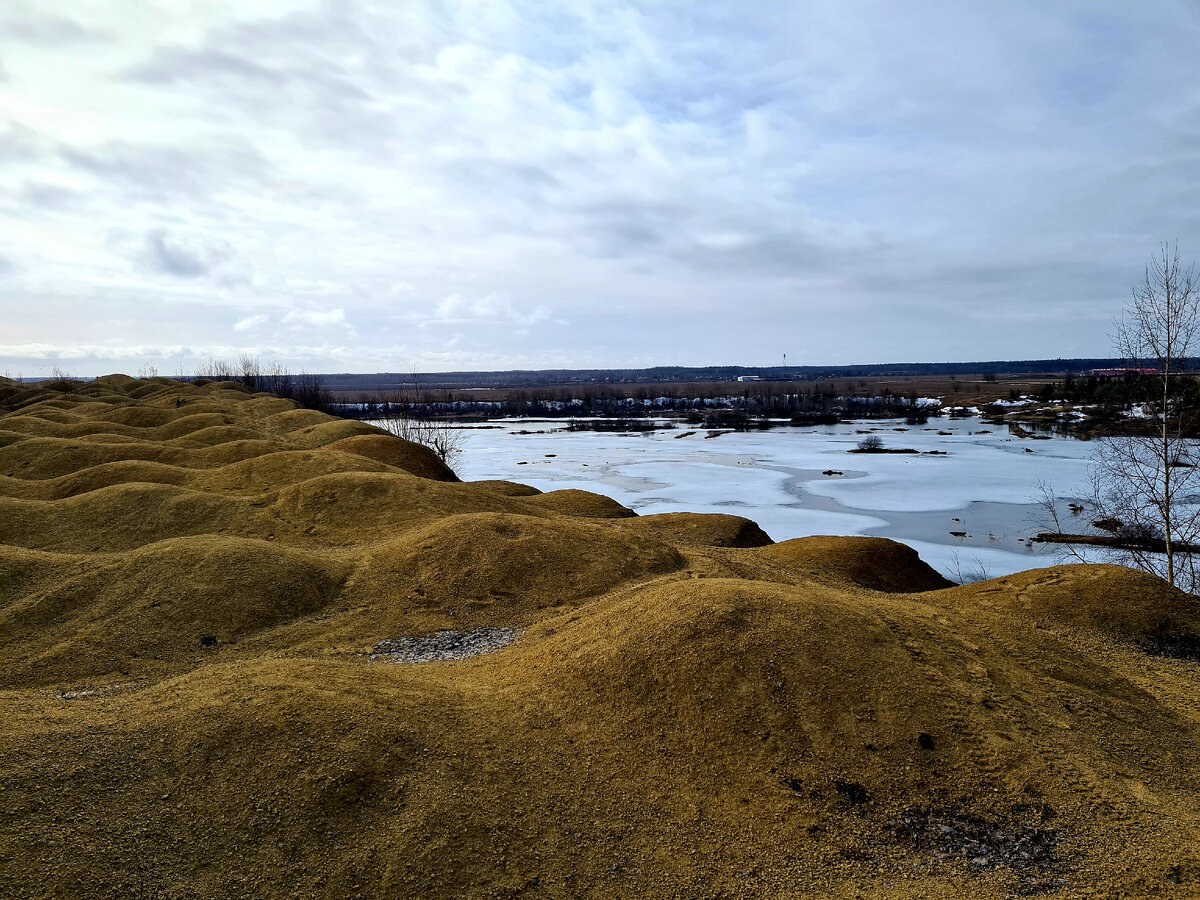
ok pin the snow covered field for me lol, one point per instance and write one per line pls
(984, 486)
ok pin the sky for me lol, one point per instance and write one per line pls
(380, 186)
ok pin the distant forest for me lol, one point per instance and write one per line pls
(383, 381)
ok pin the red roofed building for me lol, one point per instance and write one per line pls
(1121, 373)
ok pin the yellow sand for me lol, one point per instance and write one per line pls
(192, 578)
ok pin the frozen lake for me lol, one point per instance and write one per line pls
(984, 486)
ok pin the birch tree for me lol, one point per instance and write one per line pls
(1146, 486)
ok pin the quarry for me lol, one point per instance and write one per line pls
(248, 649)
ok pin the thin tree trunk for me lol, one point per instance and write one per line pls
(1166, 467)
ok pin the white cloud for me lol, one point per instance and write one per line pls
(170, 256)
(313, 318)
(166, 253)
(492, 308)
(732, 180)
(42, 351)
(25, 22)
(251, 322)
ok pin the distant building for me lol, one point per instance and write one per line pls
(1121, 373)
(749, 378)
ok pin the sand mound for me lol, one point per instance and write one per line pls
(373, 506)
(826, 687)
(142, 416)
(223, 454)
(874, 563)
(22, 571)
(702, 530)
(193, 579)
(1109, 600)
(292, 420)
(106, 475)
(10, 437)
(61, 425)
(585, 504)
(203, 438)
(266, 471)
(119, 517)
(507, 488)
(169, 601)
(492, 568)
(47, 457)
(391, 451)
(101, 437)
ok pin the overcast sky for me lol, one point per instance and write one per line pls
(395, 185)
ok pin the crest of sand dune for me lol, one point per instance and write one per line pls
(194, 581)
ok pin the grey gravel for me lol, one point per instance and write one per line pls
(443, 645)
(1027, 849)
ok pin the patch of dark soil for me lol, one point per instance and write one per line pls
(952, 835)
(853, 791)
(1176, 646)
(795, 785)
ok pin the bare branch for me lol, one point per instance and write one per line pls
(1146, 487)
(406, 413)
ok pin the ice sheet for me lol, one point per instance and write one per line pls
(774, 477)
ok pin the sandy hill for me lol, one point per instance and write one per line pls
(209, 604)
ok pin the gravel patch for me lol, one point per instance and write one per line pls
(443, 645)
(947, 835)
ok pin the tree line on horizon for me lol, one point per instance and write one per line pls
(342, 382)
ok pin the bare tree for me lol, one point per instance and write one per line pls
(971, 575)
(1146, 487)
(408, 414)
(306, 389)
(251, 371)
(216, 370)
(1048, 503)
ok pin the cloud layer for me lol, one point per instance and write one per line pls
(484, 185)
